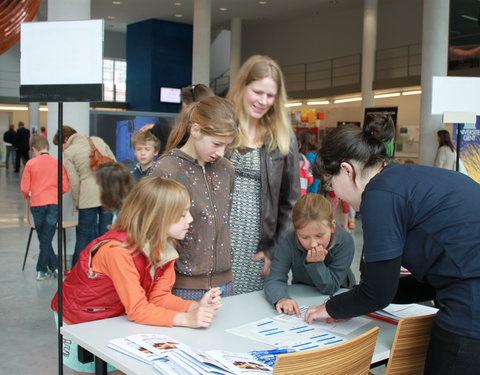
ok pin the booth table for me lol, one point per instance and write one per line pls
(237, 310)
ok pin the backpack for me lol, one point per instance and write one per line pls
(96, 157)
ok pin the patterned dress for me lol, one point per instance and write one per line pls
(245, 221)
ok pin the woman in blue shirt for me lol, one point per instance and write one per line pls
(423, 218)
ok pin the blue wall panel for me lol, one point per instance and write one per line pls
(159, 53)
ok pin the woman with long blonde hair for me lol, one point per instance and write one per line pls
(265, 157)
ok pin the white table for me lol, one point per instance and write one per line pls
(237, 310)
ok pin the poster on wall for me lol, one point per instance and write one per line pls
(466, 139)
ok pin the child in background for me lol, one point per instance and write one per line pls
(130, 269)
(146, 147)
(307, 145)
(40, 183)
(115, 181)
(194, 157)
(306, 176)
(318, 252)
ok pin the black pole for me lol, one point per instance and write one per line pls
(59, 236)
(457, 163)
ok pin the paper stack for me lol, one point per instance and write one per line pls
(169, 356)
(394, 312)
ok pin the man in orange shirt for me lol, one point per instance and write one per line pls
(40, 183)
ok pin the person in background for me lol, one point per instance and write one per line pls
(307, 145)
(446, 157)
(265, 158)
(382, 127)
(195, 159)
(306, 176)
(428, 223)
(130, 270)
(115, 181)
(43, 130)
(189, 94)
(9, 141)
(40, 185)
(146, 147)
(22, 145)
(92, 218)
(318, 252)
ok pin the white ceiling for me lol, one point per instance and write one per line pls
(130, 11)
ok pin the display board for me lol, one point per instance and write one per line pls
(61, 61)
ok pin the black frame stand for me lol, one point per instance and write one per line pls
(59, 237)
(61, 94)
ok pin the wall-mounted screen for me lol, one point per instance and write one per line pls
(170, 95)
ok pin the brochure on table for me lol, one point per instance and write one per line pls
(169, 356)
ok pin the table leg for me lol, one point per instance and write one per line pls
(100, 366)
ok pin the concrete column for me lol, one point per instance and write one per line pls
(201, 41)
(75, 114)
(34, 115)
(434, 63)
(235, 47)
(368, 52)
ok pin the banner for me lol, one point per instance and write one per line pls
(466, 139)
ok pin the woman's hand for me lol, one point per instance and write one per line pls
(197, 316)
(288, 306)
(146, 127)
(212, 298)
(316, 254)
(317, 312)
(266, 268)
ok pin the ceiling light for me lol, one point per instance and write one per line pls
(116, 2)
(13, 108)
(111, 17)
(320, 102)
(469, 17)
(347, 100)
(262, 2)
(178, 15)
(43, 109)
(390, 95)
(223, 9)
(177, 4)
(293, 104)
(416, 92)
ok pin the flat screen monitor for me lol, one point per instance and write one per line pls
(170, 95)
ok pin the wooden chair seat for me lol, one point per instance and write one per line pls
(65, 225)
(350, 357)
(410, 345)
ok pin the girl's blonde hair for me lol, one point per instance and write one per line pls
(313, 207)
(153, 205)
(215, 117)
(275, 127)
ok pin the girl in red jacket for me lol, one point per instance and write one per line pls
(130, 270)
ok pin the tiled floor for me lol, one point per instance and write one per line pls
(29, 336)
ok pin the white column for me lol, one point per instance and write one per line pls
(201, 41)
(34, 115)
(434, 63)
(75, 114)
(368, 52)
(235, 47)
